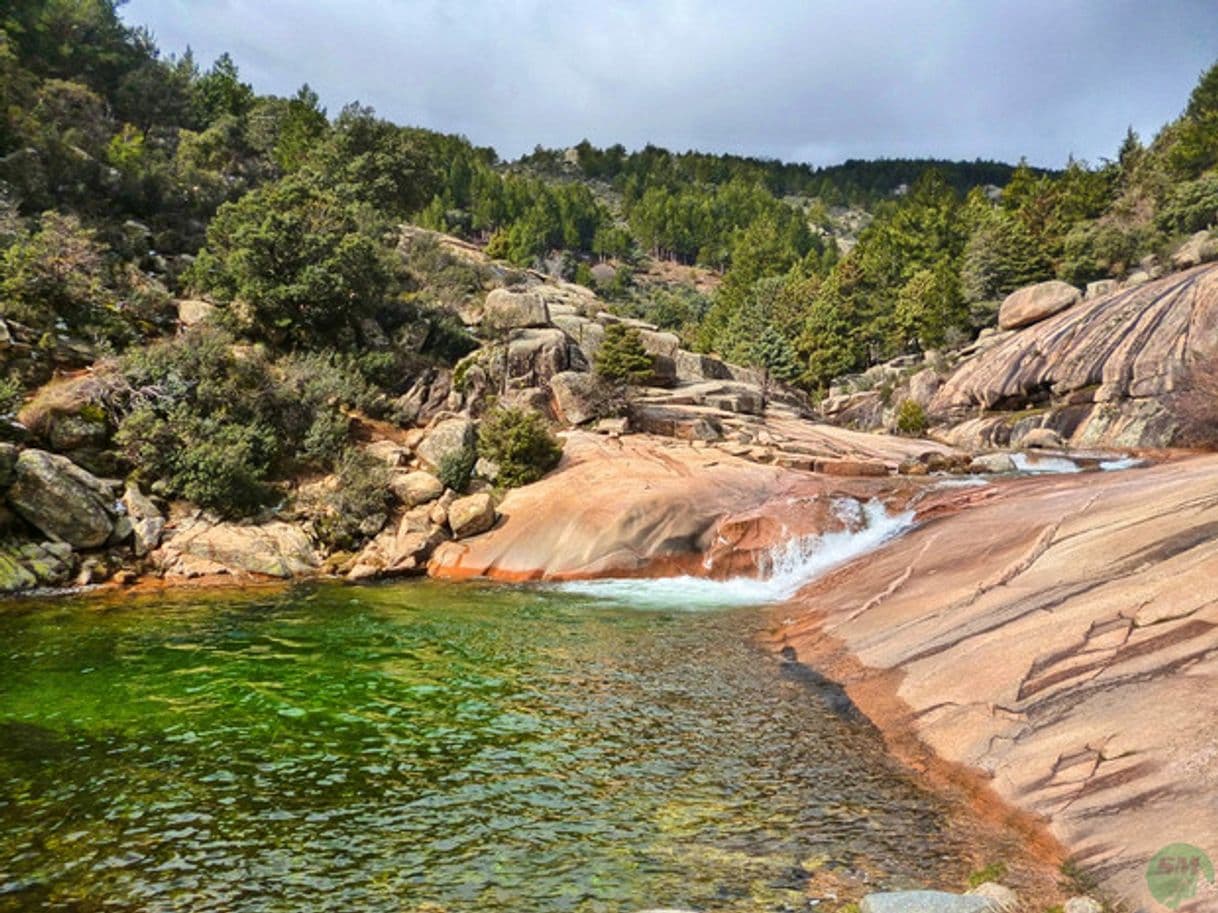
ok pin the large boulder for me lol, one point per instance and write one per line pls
(471, 516)
(415, 488)
(505, 310)
(577, 397)
(1036, 302)
(1200, 248)
(202, 546)
(534, 356)
(62, 500)
(448, 437)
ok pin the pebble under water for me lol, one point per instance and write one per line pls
(427, 747)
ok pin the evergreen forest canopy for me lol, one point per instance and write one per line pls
(128, 177)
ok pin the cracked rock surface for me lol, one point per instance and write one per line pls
(1062, 637)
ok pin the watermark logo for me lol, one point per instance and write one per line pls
(1174, 872)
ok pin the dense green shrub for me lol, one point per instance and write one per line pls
(11, 394)
(359, 503)
(456, 468)
(520, 443)
(216, 423)
(304, 265)
(1191, 205)
(621, 357)
(911, 418)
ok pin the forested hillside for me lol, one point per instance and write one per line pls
(130, 179)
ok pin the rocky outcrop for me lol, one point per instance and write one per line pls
(200, 545)
(1059, 635)
(653, 505)
(61, 500)
(1036, 302)
(1100, 373)
(511, 310)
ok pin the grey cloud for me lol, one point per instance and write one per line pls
(798, 80)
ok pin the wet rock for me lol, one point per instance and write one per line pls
(992, 463)
(851, 468)
(61, 500)
(448, 437)
(415, 488)
(1036, 302)
(925, 902)
(1041, 438)
(471, 516)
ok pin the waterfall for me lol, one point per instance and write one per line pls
(786, 568)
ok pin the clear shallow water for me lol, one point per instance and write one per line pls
(421, 747)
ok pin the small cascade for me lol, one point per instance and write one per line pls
(785, 569)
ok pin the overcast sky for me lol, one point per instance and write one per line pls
(801, 80)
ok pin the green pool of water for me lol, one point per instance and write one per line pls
(422, 747)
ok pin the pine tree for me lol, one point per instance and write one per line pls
(621, 357)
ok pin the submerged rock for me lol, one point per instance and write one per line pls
(926, 902)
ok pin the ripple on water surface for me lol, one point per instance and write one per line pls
(391, 748)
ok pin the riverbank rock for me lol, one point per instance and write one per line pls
(201, 546)
(1036, 302)
(62, 500)
(991, 463)
(1085, 609)
(471, 516)
(925, 902)
(147, 523)
(1200, 248)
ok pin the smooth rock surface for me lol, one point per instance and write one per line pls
(1036, 302)
(201, 546)
(1085, 609)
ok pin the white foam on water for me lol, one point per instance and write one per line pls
(1047, 464)
(788, 567)
(1122, 463)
